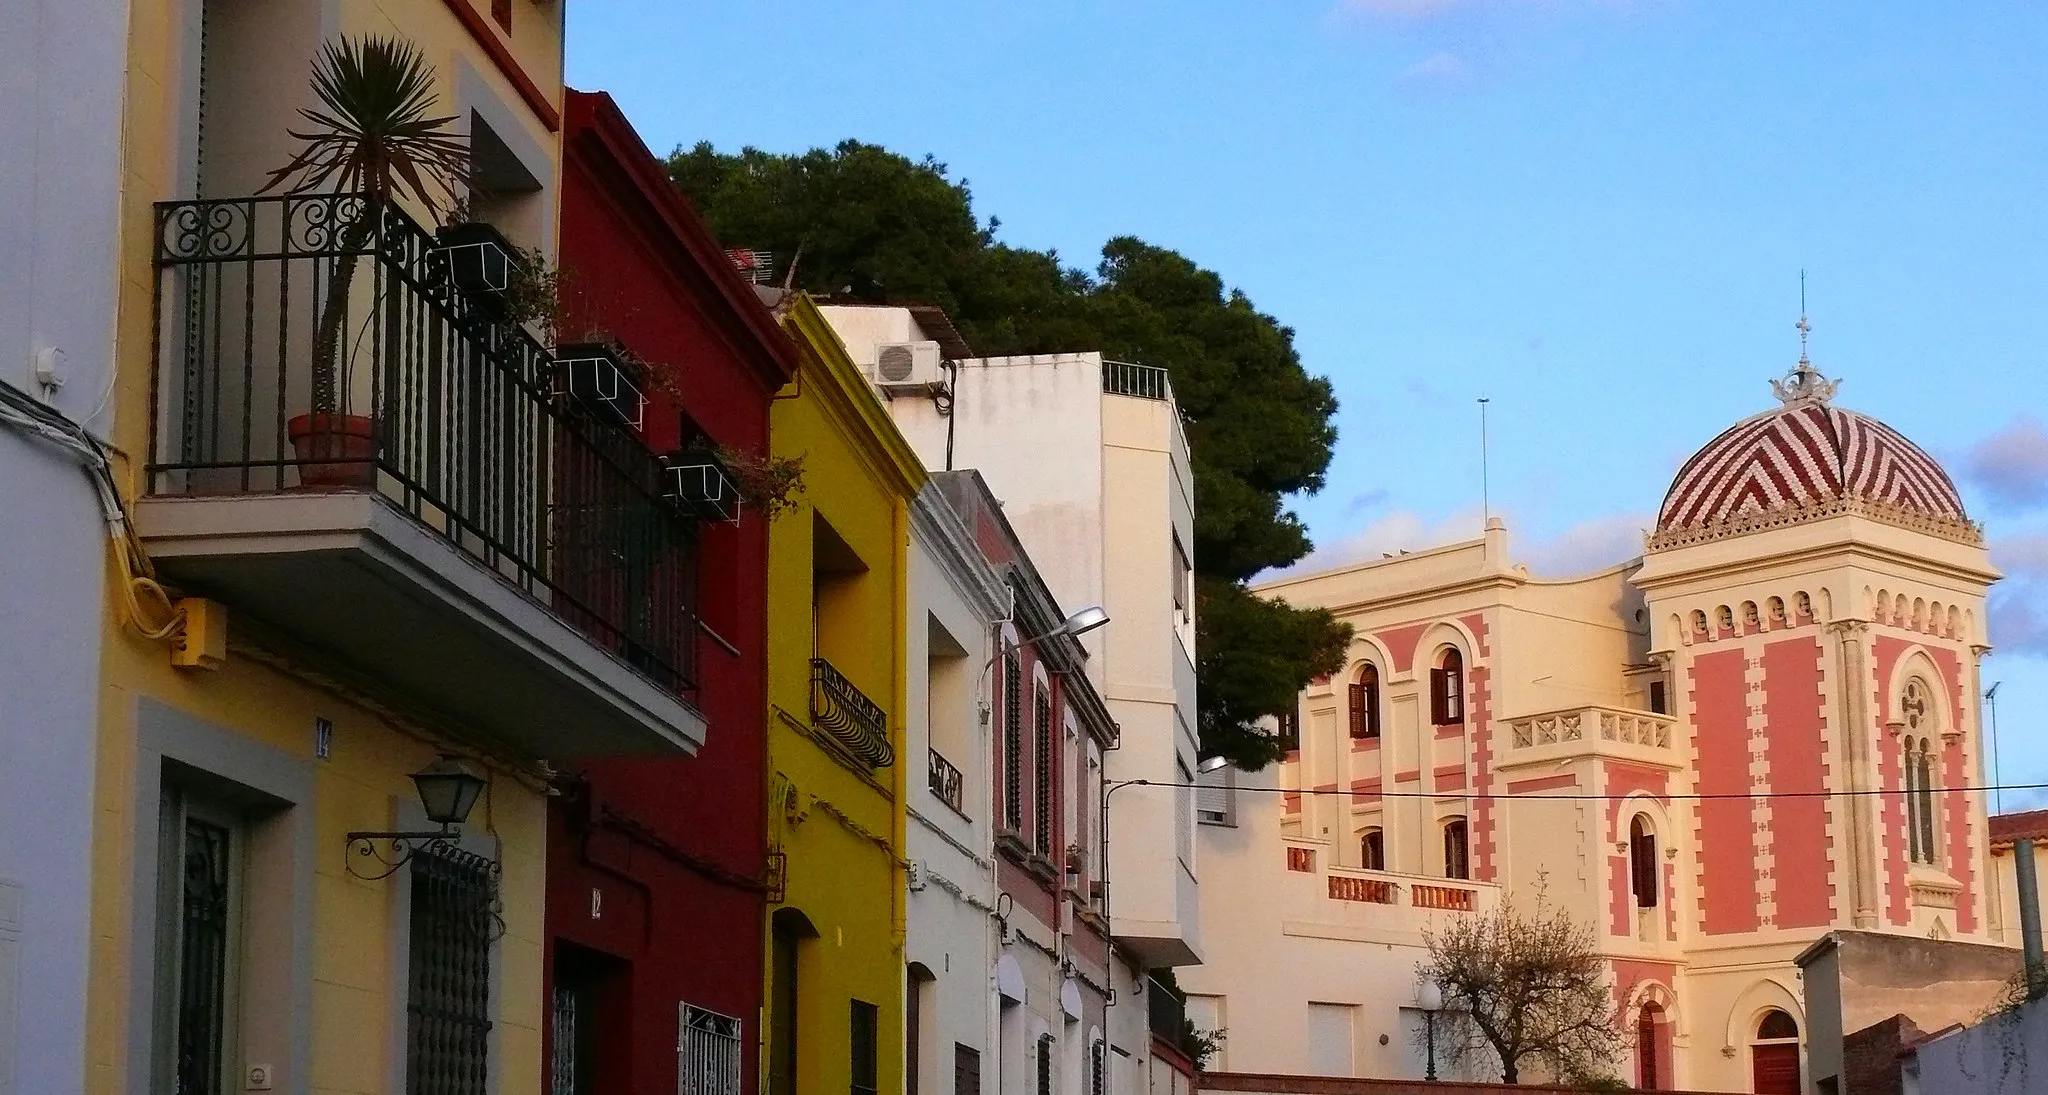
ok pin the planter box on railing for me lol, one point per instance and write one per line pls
(595, 377)
(480, 261)
(699, 482)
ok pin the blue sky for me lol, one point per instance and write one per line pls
(1593, 212)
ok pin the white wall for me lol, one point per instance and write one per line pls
(951, 613)
(62, 65)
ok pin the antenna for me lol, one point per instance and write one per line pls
(1485, 495)
(1997, 796)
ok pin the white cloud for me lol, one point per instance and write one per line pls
(2012, 465)
(1588, 546)
(1439, 70)
(2019, 605)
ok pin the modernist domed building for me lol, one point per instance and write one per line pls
(1720, 755)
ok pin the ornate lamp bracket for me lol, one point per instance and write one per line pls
(399, 848)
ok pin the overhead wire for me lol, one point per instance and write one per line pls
(1696, 796)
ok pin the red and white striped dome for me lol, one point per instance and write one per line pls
(1807, 453)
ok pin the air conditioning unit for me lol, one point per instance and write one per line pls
(908, 365)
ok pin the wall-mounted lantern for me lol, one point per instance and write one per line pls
(448, 790)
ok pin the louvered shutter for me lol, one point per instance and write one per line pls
(1372, 706)
(1439, 698)
(1357, 712)
(1643, 865)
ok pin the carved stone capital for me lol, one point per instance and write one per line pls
(1848, 627)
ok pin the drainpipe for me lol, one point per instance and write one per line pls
(2030, 917)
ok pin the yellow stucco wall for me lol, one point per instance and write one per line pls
(840, 827)
(356, 995)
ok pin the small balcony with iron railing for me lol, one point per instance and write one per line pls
(946, 783)
(850, 720)
(358, 451)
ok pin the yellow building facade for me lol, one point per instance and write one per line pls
(837, 577)
(260, 920)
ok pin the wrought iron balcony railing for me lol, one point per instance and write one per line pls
(319, 342)
(947, 783)
(854, 721)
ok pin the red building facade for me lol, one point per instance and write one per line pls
(657, 887)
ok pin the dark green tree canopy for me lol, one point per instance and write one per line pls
(864, 223)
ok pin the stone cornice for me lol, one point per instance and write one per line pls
(1961, 532)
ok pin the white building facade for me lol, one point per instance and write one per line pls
(956, 604)
(63, 70)
(1090, 462)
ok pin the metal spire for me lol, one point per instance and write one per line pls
(1804, 383)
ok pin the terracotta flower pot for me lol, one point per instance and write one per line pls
(334, 450)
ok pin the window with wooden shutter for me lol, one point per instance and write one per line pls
(1045, 1064)
(1642, 861)
(1013, 740)
(1447, 690)
(966, 1070)
(1372, 850)
(1457, 862)
(1357, 710)
(1041, 772)
(1289, 732)
(1365, 702)
(1658, 704)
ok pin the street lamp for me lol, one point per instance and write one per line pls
(1080, 623)
(1429, 996)
(448, 790)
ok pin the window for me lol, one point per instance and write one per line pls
(1042, 768)
(1658, 704)
(1215, 798)
(501, 10)
(966, 1070)
(1365, 702)
(1045, 1064)
(1919, 779)
(1183, 813)
(197, 936)
(1288, 731)
(864, 1058)
(1447, 689)
(707, 1052)
(448, 998)
(1642, 862)
(1372, 850)
(1013, 740)
(1183, 581)
(1098, 1070)
(1457, 862)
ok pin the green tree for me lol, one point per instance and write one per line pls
(859, 221)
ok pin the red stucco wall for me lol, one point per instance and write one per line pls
(1800, 827)
(1720, 703)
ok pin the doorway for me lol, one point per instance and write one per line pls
(1774, 1055)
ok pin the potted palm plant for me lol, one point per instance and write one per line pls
(374, 134)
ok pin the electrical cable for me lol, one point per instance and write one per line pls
(138, 576)
(1507, 796)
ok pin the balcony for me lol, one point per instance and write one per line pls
(1165, 1011)
(1325, 901)
(852, 721)
(385, 479)
(1137, 381)
(946, 783)
(1577, 733)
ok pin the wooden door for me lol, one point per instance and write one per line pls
(1775, 1069)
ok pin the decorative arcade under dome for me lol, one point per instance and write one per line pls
(1807, 459)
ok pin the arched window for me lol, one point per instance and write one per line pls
(1457, 856)
(1365, 702)
(1372, 850)
(1648, 1065)
(1447, 689)
(1642, 862)
(1917, 711)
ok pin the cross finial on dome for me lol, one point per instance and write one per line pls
(1804, 383)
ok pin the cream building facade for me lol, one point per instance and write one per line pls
(1712, 755)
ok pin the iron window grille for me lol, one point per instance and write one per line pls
(708, 1047)
(204, 935)
(855, 722)
(566, 1060)
(1098, 1069)
(448, 998)
(1045, 1064)
(319, 341)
